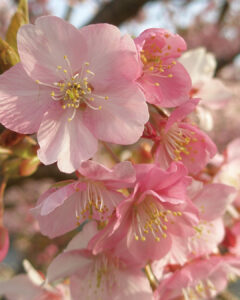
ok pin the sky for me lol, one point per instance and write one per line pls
(156, 15)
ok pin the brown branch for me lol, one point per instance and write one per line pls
(117, 11)
(221, 63)
(68, 13)
(223, 12)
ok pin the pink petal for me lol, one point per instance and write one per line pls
(149, 249)
(69, 143)
(172, 91)
(22, 101)
(122, 117)
(116, 229)
(120, 176)
(152, 177)
(42, 47)
(181, 112)
(201, 149)
(175, 41)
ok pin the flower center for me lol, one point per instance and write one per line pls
(150, 217)
(94, 203)
(102, 276)
(203, 289)
(74, 90)
(177, 142)
(153, 57)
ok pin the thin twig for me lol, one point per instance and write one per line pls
(112, 154)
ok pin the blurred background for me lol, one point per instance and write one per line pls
(213, 24)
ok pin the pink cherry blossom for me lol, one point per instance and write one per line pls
(214, 94)
(212, 200)
(94, 196)
(229, 170)
(31, 286)
(200, 279)
(73, 87)
(157, 209)
(101, 276)
(179, 140)
(164, 80)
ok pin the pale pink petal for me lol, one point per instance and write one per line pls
(69, 143)
(80, 241)
(21, 288)
(42, 47)
(179, 252)
(22, 101)
(57, 198)
(200, 64)
(214, 94)
(121, 118)
(133, 285)
(213, 200)
(232, 150)
(56, 223)
(68, 263)
(112, 57)
(127, 285)
(207, 238)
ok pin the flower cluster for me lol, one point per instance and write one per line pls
(153, 226)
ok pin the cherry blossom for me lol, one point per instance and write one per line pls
(157, 210)
(31, 286)
(179, 140)
(73, 87)
(200, 279)
(164, 80)
(201, 66)
(101, 276)
(93, 196)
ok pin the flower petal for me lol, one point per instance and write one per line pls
(42, 47)
(112, 57)
(22, 101)
(122, 117)
(69, 143)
